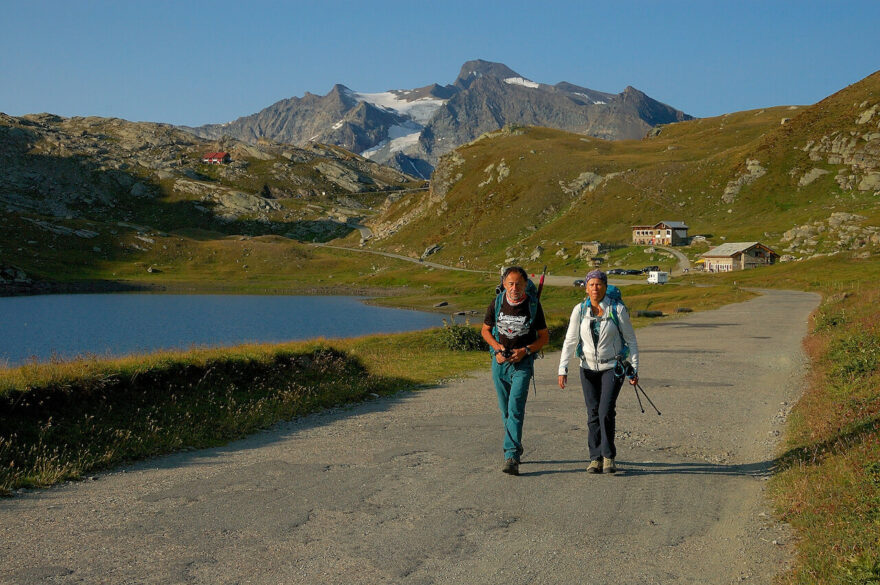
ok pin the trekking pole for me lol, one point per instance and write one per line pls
(639, 387)
(636, 390)
(541, 282)
(540, 288)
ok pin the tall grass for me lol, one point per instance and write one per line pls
(67, 424)
(828, 484)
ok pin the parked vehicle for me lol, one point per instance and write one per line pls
(648, 269)
(579, 282)
(617, 271)
(658, 277)
(632, 271)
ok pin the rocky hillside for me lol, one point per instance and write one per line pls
(93, 187)
(411, 129)
(805, 180)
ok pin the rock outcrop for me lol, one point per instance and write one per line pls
(858, 149)
(71, 168)
(752, 173)
(840, 232)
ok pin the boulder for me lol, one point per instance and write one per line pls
(754, 171)
(839, 218)
(140, 190)
(240, 202)
(348, 179)
(866, 116)
(651, 314)
(811, 176)
(587, 180)
(536, 254)
(246, 150)
(12, 274)
(870, 182)
(431, 250)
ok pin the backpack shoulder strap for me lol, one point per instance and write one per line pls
(615, 316)
(615, 311)
(499, 300)
(579, 350)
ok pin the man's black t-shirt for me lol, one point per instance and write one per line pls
(514, 330)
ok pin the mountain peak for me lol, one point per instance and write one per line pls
(630, 91)
(422, 124)
(477, 68)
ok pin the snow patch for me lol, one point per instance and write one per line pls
(521, 81)
(399, 138)
(337, 125)
(420, 110)
(592, 100)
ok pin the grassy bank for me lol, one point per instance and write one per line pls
(828, 480)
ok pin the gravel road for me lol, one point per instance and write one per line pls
(408, 489)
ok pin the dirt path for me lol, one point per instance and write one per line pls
(408, 490)
(683, 263)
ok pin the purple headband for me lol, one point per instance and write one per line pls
(596, 274)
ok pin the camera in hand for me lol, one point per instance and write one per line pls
(507, 353)
(624, 368)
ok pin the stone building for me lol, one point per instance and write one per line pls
(665, 233)
(737, 256)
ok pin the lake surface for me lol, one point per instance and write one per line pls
(119, 324)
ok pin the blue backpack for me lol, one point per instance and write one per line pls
(613, 295)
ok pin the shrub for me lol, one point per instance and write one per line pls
(855, 355)
(462, 337)
(827, 319)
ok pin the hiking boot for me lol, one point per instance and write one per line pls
(511, 466)
(608, 466)
(595, 466)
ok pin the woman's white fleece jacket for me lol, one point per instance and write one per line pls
(603, 355)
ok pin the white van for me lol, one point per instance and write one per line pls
(658, 277)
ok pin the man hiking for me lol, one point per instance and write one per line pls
(515, 329)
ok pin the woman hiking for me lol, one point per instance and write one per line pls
(515, 330)
(602, 328)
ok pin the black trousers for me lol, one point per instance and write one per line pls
(600, 395)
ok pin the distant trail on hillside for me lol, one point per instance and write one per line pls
(408, 489)
(402, 257)
(549, 280)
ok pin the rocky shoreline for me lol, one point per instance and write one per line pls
(20, 289)
(32, 288)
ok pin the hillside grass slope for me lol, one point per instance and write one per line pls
(745, 176)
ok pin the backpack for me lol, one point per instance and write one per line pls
(612, 294)
(531, 293)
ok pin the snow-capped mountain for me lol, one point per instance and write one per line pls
(411, 129)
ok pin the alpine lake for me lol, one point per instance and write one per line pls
(47, 327)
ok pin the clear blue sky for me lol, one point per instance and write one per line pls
(188, 62)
